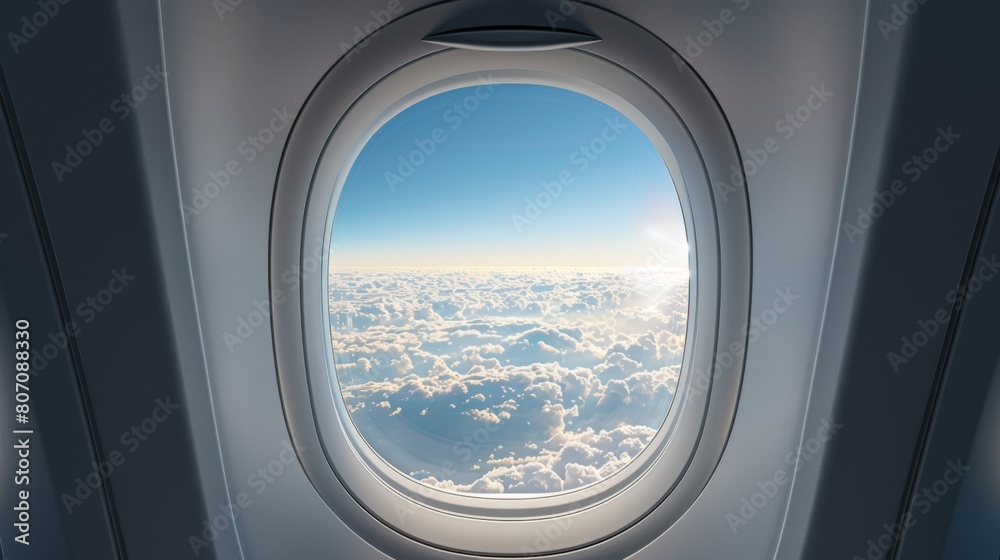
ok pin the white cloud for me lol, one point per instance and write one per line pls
(508, 380)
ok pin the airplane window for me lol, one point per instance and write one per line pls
(531, 256)
(508, 290)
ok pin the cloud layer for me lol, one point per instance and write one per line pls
(508, 380)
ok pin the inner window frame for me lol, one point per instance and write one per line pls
(376, 462)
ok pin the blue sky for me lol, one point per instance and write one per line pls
(464, 204)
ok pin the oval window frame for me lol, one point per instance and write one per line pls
(403, 517)
(485, 505)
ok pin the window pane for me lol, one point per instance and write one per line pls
(508, 290)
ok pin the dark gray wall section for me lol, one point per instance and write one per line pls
(61, 447)
(965, 431)
(912, 256)
(118, 213)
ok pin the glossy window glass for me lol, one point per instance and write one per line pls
(508, 290)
